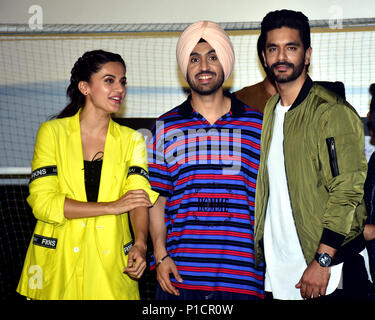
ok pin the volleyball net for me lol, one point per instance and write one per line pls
(35, 71)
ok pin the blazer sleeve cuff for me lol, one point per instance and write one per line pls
(332, 239)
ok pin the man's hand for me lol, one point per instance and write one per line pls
(314, 281)
(163, 271)
(369, 232)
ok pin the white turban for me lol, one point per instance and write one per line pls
(215, 36)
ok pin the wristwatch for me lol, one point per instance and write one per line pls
(324, 259)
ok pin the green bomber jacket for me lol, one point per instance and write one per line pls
(325, 167)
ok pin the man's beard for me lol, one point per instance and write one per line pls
(209, 89)
(280, 78)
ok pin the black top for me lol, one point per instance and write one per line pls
(93, 171)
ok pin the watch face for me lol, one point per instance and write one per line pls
(325, 260)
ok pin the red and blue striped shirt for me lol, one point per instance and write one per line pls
(208, 174)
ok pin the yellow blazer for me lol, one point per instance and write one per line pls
(81, 258)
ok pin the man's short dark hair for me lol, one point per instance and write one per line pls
(260, 55)
(285, 18)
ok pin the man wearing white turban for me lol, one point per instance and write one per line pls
(203, 160)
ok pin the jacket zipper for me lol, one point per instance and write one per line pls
(332, 156)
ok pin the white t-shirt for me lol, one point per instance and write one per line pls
(285, 262)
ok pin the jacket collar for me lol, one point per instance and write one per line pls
(303, 92)
(74, 125)
(74, 156)
(186, 109)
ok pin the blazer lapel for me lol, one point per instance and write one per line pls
(74, 157)
(111, 159)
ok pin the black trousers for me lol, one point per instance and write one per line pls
(356, 285)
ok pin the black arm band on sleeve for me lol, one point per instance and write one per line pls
(140, 171)
(43, 172)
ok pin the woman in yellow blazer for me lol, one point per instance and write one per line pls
(88, 172)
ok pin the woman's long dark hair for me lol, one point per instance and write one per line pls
(90, 63)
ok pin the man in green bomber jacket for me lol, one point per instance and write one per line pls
(309, 210)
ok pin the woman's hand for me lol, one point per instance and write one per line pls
(136, 261)
(129, 201)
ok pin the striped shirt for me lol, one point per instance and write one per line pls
(208, 175)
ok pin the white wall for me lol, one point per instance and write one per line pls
(168, 11)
